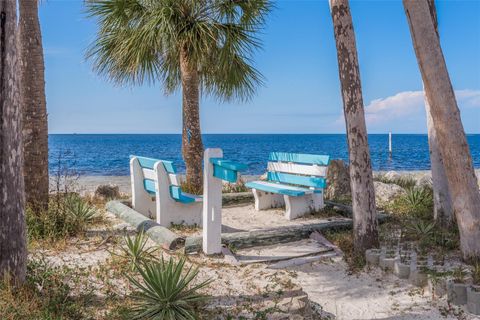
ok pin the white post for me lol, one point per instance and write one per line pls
(212, 205)
(390, 143)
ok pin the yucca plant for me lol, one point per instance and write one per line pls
(423, 231)
(419, 197)
(79, 210)
(166, 291)
(136, 251)
(476, 273)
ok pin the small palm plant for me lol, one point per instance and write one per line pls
(166, 291)
(136, 251)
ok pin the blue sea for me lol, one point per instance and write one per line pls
(108, 154)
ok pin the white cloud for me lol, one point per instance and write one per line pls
(408, 107)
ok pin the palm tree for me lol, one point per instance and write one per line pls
(365, 223)
(445, 114)
(442, 202)
(13, 252)
(198, 45)
(34, 110)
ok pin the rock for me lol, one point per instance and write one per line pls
(392, 175)
(424, 181)
(386, 193)
(338, 181)
(107, 192)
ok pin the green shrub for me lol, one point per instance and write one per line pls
(67, 215)
(134, 249)
(45, 295)
(166, 291)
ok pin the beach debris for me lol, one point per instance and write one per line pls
(107, 192)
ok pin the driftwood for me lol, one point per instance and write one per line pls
(237, 198)
(265, 237)
(161, 235)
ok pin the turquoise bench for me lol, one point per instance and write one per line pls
(156, 192)
(295, 181)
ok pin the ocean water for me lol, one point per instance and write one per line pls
(108, 154)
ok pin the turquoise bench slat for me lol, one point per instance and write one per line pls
(148, 163)
(315, 182)
(179, 196)
(275, 188)
(322, 160)
(149, 186)
(228, 164)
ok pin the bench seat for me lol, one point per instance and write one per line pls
(280, 188)
(294, 181)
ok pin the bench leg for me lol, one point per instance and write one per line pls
(317, 201)
(266, 200)
(297, 207)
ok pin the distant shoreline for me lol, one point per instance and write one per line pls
(88, 183)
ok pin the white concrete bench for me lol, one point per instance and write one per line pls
(156, 193)
(295, 181)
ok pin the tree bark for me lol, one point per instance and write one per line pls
(192, 146)
(13, 252)
(449, 130)
(442, 203)
(34, 110)
(365, 225)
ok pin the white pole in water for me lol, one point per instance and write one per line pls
(390, 143)
(212, 205)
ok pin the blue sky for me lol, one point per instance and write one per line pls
(302, 90)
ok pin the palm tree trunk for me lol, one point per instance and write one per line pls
(442, 203)
(192, 146)
(361, 178)
(13, 252)
(34, 110)
(449, 130)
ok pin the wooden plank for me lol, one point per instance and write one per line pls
(179, 196)
(247, 239)
(277, 188)
(301, 261)
(228, 164)
(317, 236)
(322, 160)
(149, 163)
(315, 182)
(229, 256)
(280, 251)
(149, 174)
(225, 174)
(295, 168)
(174, 179)
(149, 186)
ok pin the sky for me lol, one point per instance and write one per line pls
(301, 93)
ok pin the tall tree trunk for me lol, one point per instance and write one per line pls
(34, 110)
(449, 130)
(192, 146)
(442, 203)
(13, 252)
(365, 223)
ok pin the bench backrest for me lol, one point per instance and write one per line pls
(150, 178)
(308, 170)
